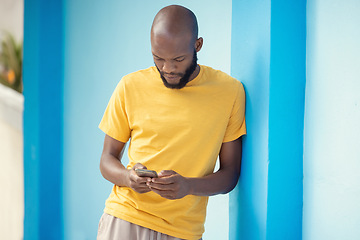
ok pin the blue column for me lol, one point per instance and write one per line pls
(250, 63)
(268, 56)
(43, 79)
(286, 119)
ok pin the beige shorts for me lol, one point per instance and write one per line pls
(112, 228)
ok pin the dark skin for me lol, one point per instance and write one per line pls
(173, 40)
(173, 43)
(170, 184)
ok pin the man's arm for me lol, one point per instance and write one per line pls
(114, 171)
(173, 186)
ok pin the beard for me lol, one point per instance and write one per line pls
(185, 77)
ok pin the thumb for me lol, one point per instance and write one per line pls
(138, 166)
(166, 173)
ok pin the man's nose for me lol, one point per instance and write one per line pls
(169, 67)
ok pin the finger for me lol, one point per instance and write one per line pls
(164, 194)
(134, 184)
(140, 180)
(143, 189)
(166, 173)
(164, 180)
(135, 178)
(138, 166)
(161, 187)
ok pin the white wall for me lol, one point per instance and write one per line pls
(12, 17)
(11, 161)
(11, 136)
(332, 121)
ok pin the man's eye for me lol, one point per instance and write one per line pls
(179, 60)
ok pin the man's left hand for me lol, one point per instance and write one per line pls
(170, 185)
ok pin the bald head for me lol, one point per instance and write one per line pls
(175, 21)
(174, 45)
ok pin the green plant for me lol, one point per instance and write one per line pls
(11, 62)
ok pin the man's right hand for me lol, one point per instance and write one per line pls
(137, 183)
(114, 171)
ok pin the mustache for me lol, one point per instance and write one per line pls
(184, 77)
(171, 74)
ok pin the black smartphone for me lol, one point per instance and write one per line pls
(146, 173)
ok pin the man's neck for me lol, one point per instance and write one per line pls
(195, 73)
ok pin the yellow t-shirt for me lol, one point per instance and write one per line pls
(172, 129)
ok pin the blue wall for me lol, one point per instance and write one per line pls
(268, 55)
(250, 63)
(43, 93)
(75, 53)
(103, 42)
(100, 47)
(286, 119)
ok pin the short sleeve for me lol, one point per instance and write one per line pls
(115, 121)
(236, 126)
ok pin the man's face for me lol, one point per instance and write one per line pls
(175, 59)
(178, 80)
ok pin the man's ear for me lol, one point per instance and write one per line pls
(199, 44)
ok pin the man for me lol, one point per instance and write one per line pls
(180, 116)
